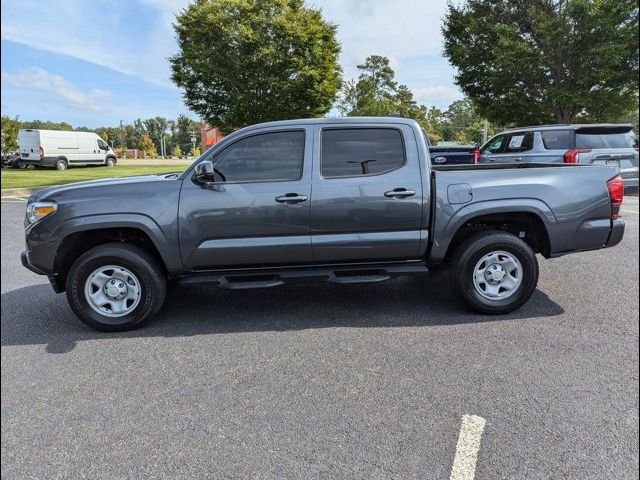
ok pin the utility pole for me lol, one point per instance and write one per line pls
(122, 139)
(485, 131)
(193, 140)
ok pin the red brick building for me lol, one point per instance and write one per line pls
(209, 136)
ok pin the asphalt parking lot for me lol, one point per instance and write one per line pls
(327, 381)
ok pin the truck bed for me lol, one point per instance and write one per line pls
(571, 201)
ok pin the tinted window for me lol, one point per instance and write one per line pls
(520, 142)
(602, 139)
(361, 151)
(556, 140)
(268, 156)
(102, 145)
(495, 144)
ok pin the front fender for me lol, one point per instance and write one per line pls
(167, 247)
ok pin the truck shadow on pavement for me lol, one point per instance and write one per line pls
(34, 315)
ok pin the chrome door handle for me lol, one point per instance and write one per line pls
(399, 193)
(291, 198)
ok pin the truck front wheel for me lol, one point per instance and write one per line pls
(116, 287)
(495, 272)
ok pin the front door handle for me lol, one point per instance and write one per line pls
(399, 193)
(291, 198)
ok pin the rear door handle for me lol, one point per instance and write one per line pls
(291, 198)
(399, 193)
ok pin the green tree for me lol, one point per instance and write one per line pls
(247, 61)
(372, 94)
(147, 146)
(376, 93)
(47, 125)
(156, 128)
(462, 123)
(9, 137)
(185, 129)
(533, 61)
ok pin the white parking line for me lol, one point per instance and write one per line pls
(464, 463)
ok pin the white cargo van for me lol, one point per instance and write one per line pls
(61, 149)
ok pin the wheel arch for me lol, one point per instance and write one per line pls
(532, 221)
(80, 235)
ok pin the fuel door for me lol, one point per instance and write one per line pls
(458, 193)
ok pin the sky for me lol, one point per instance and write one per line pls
(95, 62)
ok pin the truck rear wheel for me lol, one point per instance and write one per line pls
(61, 165)
(116, 287)
(495, 272)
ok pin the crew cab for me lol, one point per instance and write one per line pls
(339, 200)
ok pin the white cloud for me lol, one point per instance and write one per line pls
(56, 89)
(408, 32)
(436, 95)
(98, 32)
(102, 32)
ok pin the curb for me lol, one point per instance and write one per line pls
(12, 192)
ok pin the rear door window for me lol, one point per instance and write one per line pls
(556, 139)
(353, 152)
(605, 138)
(519, 142)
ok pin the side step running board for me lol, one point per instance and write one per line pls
(335, 274)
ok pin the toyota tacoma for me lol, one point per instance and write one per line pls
(345, 200)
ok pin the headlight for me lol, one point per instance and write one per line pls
(38, 210)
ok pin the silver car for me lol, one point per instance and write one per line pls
(602, 144)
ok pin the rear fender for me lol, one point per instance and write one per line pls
(449, 220)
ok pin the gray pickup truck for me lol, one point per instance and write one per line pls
(340, 200)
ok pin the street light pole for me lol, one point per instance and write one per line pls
(121, 136)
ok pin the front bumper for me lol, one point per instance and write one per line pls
(57, 282)
(24, 258)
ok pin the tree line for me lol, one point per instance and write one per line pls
(241, 62)
(154, 136)
(517, 61)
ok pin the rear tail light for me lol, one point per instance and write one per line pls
(476, 156)
(572, 155)
(616, 195)
(41, 152)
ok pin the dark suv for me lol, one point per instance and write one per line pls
(605, 144)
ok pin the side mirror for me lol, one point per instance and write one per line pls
(204, 171)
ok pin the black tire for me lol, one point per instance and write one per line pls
(473, 250)
(110, 162)
(147, 269)
(61, 165)
(22, 166)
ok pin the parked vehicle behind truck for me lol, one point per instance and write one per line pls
(602, 144)
(61, 149)
(340, 200)
(454, 154)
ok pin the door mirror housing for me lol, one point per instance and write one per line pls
(204, 171)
